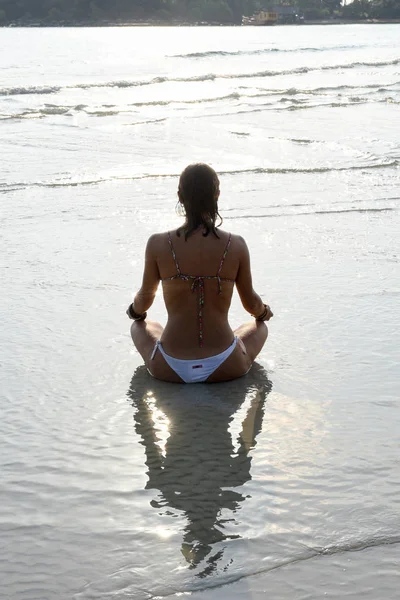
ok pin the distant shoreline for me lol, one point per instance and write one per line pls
(149, 23)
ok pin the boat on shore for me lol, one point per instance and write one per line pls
(262, 18)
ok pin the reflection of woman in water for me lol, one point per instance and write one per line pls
(198, 343)
(201, 457)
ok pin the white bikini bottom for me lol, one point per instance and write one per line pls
(195, 370)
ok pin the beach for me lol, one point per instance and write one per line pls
(282, 483)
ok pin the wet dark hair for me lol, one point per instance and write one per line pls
(198, 193)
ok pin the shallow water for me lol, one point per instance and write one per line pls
(118, 486)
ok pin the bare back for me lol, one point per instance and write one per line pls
(198, 277)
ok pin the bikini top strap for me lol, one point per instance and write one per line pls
(221, 264)
(173, 253)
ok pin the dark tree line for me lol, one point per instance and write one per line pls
(224, 11)
(372, 9)
(210, 11)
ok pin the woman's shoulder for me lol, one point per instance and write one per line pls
(237, 237)
(157, 238)
(157, 244)
(238, 240)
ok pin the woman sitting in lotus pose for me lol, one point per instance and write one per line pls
(198, 264)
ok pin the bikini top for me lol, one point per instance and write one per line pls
(198, 282)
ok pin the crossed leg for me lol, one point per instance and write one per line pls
(252, 334)
(145, 334)
(252, 337)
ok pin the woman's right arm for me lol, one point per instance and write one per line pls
(250, 299)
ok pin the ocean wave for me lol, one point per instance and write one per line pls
(9, 187)
(18, 116)
(340, 547)
(348, 102)
(103, 113)
(301, 70)
(293, 100)
(211, 53)
(18, 91)
(352, 210)
(258, 569)
(232, 96)
(284, 170)
(45, 111)
(240, 133)
(301, 141)
(383, 63)
(354, 100)
(22, 185)
(370, 86)
(288, 98)
(192, 79)
(148, 122)
(311, 212)
(298, 106)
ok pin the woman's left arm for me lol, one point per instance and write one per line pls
(151, 278)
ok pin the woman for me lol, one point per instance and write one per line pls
(198, 265)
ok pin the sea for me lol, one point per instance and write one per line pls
(283, 484)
